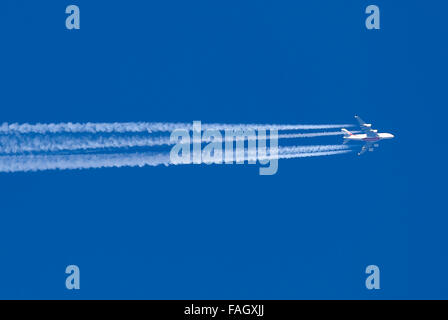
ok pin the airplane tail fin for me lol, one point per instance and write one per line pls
(346, 135)
(346, 132)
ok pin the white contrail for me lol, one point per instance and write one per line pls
(50, 143)
(312, 148)
(313, 134)
(24, 163)
(17, 143)
(122, 127)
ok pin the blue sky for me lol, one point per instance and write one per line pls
(219, 232)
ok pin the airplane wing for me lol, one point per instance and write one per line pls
(361, 122)
(367, 146)
(366, 127)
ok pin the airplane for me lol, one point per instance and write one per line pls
(370, 136)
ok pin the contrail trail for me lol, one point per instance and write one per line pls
(19, 143)
(312, 148)
(313, 134)
(148, 127)
(25, 163)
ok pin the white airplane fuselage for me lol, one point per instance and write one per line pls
(364, 137)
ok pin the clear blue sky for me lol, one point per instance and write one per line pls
(215, 232)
